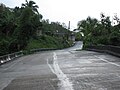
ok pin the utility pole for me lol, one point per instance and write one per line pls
(69, 25)
(68, 34)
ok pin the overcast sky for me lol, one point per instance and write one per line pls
(71, 10)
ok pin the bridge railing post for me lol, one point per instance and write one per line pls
(6, 58)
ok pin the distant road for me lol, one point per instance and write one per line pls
(65, 69)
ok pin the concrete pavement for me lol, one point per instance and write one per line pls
(62, 70)
(28, 73)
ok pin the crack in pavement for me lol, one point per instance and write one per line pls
(65, 84)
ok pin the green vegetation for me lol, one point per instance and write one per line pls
(22, 28)
(47, 42)
(78, 36)
(101, 32)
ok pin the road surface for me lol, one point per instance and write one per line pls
(65, 69)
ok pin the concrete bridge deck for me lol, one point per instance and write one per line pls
(62, 70)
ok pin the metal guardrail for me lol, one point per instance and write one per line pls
(114, 50)
(9, 57)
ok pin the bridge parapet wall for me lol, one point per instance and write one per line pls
(114, 50)
(9, 57)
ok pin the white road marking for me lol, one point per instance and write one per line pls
(107, 61)
(65, 84)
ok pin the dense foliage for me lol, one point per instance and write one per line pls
(52, 28)
(20, 26)
(46, 41)
(101, 32)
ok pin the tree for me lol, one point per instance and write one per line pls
(100, 32)
(7, 21)
(31, 4)
(106, 23)
(7, 27)
(88, 28)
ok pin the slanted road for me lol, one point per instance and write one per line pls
(65, 69)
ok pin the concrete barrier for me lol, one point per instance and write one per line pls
(114, 50)
(9, 57)
(42, 49)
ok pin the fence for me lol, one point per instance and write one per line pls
(9, 57)
(114, 50)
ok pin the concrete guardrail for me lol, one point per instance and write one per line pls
(9, 57)
(42, 49)
(114, 50)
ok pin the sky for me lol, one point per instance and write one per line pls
(71, 10)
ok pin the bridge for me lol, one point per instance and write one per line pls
(67, 69)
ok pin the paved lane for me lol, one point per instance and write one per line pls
(28, 73)
(62, 70)
(89, 70)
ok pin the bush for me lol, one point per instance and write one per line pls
(47, 42)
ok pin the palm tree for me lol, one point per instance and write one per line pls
(31, 4)
(87, 26)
